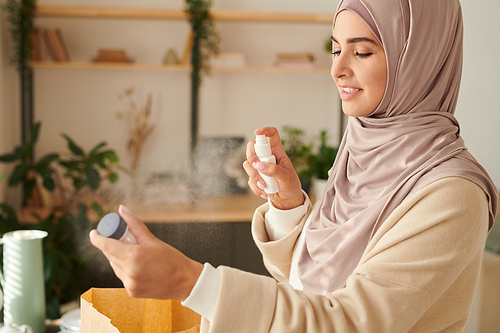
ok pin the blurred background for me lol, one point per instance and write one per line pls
(125, 79)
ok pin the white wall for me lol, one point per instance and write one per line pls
(479, 108)
(83, 103)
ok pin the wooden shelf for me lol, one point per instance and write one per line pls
(90, 65)
(104, 12)
(179, 14)
(107, 65)
(272, 69)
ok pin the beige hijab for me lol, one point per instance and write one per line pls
(410, 140)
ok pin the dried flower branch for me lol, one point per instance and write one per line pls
(138, 125)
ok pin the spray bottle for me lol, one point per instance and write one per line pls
(263, 151)
(113, 226)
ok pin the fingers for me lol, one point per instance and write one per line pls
(290, 191)
(114, 248)
(253, 165)
(270, 132)
(273, 136)
(119, 255)
(101, 242)
(136, 226)
(255, 181)
(109, 246)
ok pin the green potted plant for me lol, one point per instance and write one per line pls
(322, 162)
(324, 158)
(205, 45)
(300, 154)
(27, 168)
(21, 15)
(66, 221)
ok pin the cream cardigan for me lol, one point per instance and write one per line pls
(418, 274)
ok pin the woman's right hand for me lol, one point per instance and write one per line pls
(290, 191)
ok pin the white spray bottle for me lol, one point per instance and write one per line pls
(263, 151)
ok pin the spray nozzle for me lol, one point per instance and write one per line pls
(261, 140)
(262, 146)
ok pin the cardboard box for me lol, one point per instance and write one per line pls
(114, 311)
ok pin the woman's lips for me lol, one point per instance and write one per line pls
(347, 93)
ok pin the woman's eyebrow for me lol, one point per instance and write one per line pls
(356, 40)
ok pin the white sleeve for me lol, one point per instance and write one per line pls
(280, 222)
(205, 294)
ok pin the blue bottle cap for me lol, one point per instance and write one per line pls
(112, 226)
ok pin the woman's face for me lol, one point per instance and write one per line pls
(359, 66)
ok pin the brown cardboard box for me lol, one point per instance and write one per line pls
(114, 311)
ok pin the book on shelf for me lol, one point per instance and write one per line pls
(62, 45)
(112, 55)
(305, 60)
(55, 45)
(188, 49)
(36, 44)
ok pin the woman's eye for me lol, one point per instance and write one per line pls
(363, 55)
(336, 53)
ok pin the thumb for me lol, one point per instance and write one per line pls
(136, 226)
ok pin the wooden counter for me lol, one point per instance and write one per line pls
(236, 208)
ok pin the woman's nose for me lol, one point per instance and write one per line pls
(340, 67)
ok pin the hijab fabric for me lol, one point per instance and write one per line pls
(409, 141)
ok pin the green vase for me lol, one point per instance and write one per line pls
(22, 279)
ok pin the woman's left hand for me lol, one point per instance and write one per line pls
(150, 268)
(290, 193)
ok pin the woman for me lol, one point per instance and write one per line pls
(395, 242)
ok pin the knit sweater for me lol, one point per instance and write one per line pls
(418, 273)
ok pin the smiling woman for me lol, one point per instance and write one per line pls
(359, 65)
(394, 244)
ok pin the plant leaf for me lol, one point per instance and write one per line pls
(92, 178)
(70, 165)
(111, 156)
(96, 148)
(47, 159)
(8, 219)
(73, 147)
(48, 183)
(26, 151)
(10, 157)
(28, 188)
(77, 183)
(19, 174)
(35, 131)
(48, 263)
(113, 177)
(97, 208)
(82, 210)
(8, 210)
